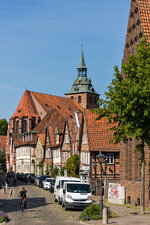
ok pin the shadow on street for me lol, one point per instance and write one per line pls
(13, 205)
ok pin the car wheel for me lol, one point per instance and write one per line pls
(59, 202)
(55, 200)
(66, 208)
(63, 205)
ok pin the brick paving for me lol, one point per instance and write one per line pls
(41, 210)
(126, 215)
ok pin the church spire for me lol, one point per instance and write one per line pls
(82, 70)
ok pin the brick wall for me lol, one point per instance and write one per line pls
(130, 172)
(134, 30)
(88, 101)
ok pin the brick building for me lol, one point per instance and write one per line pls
(50, 129)
(95, 137)
(130, 176)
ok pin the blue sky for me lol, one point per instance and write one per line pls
(40, 45)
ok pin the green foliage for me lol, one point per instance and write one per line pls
(92, 213)
(2, 157)
(72, 166)
(127, 102)
(3, 127)
(3, 217)
(53, 171)
(62, 171)
(47, 172)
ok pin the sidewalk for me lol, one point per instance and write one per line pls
(126, 215)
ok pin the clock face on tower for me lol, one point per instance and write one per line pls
(77, 82)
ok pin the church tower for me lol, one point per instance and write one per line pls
(82, 90)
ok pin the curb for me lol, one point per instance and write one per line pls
(10, 193)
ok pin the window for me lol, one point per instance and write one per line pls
(17, 126)
(33, 123)
(56, 153)
(48, 153)
(84, 142)
(79, 99)
(24, 125)
(129, 30)
(27, 166)
(138, 22)
(67, 138)
(57, 138)
(140, 35)
(90, 99)
(72, 97)
(26, 151)
(95, 101)
(110, 158)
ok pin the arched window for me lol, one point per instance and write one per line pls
(79, 99)
(24, 125)
(17, 126)
(33, 123)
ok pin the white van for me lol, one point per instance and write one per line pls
(76, 195)
(58, 189)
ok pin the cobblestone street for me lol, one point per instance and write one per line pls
(41, 209)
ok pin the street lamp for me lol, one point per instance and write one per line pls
(95, 165)
(101, 159)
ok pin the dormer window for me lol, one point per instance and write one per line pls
(67, 138)
(84, 141)
(57, 138)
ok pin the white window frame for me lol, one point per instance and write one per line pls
(66, 138)
(110, 158)
(57, 138)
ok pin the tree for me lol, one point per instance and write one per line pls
(2, 157)
(127, 103)
(3, 127)
(72, 166)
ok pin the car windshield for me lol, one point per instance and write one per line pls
(53, 181)
(62, 182)
(79, 188)
(48, 180)
(44, 177)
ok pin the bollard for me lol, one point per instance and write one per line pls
(105, 216)
(4, 190)
(6, 185)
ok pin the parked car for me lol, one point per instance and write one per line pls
(22, 177)
(76, 195)
(47, 182)
(36, 180)
(30, 177)
(58, 189)
(18, 175)
(42, 178)
(10, 174)
(52, 185)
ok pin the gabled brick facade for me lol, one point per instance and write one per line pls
(130, 171)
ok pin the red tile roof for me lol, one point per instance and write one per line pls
(26, 107)
(52, 135)
(65, 106)
(53, 118)
(20, 142)
(3, 140)
(42, 138)
(98, 133)
(144, 7)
